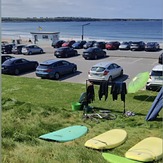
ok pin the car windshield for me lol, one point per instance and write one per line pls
(89, 50)
(157, 73)
(150, 43)
(98, 69)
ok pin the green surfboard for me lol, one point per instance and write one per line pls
(117, 159)
(66, 134)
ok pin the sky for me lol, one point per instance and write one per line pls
(149, 9)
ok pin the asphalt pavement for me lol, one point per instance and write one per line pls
(133, 62)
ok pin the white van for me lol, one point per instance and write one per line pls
(156, 78)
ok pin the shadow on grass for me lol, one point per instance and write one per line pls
(145, 98)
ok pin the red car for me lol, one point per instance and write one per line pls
(68, 43)
(113, 45)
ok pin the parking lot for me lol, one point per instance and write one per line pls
(133, 62)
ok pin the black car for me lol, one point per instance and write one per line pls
(152, 46)
(17, 49)
(16, 66)
(78, 44)
(5, 57)
(160, 59)
(57, 44)
(99, 44)
(65, 52)
(7, 48)
(88, 44)
(94, 53)
(139, 45)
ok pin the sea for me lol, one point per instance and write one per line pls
(144, 30)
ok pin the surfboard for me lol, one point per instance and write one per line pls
(107, 140)
(117, 159)
(149, 149)
(66, 134)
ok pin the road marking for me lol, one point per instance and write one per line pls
(137, 60)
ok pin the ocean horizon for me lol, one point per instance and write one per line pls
(96, 30)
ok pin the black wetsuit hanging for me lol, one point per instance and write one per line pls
(118, 88)
(103, 90)
(90, 93)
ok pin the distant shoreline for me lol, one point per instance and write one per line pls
(67, 19)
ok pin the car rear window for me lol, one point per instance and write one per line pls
(157, 73)
(44, 66)
(98, 69)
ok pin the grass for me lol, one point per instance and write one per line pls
(32, 107)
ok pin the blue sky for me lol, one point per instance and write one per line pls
(152, 9)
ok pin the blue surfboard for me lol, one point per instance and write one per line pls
(66, 134)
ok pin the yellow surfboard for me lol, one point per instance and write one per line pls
(107, 140)
(149, 149)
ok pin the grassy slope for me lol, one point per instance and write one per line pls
(32, 107)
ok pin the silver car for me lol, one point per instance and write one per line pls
(32, 49)
(155, 80)
(105, 71)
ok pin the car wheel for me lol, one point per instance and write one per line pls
(74, 70)
(110, 79)
(35, 66)
(95, 57)
(66, 55)
(104, 55)
(29, 52)
(17, 72)
(41, 51)
(75, 53)
(56, 76)
(121, 74)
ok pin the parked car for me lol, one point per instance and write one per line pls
(160, 59)
(88, 44)
(156, 78)
(112, 45)
(16, 66)
(99, 44)
(54, 69)
(94, 53)
(32, 49)
(7, 48)
(78, 44)
(104, 71)
(57, 44)
(4, 42)
(68, 43)
(17, 49)
(5, 57)
(139, 45)
(124, 46)
(152, 46)
(65, 52)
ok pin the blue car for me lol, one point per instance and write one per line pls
(54, 69)
(78, 44)
(15, 66)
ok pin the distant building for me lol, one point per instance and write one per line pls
(44, 37)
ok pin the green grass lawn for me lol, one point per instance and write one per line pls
(32, 107)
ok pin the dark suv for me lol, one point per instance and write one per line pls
(7, 48)
(140, 45)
